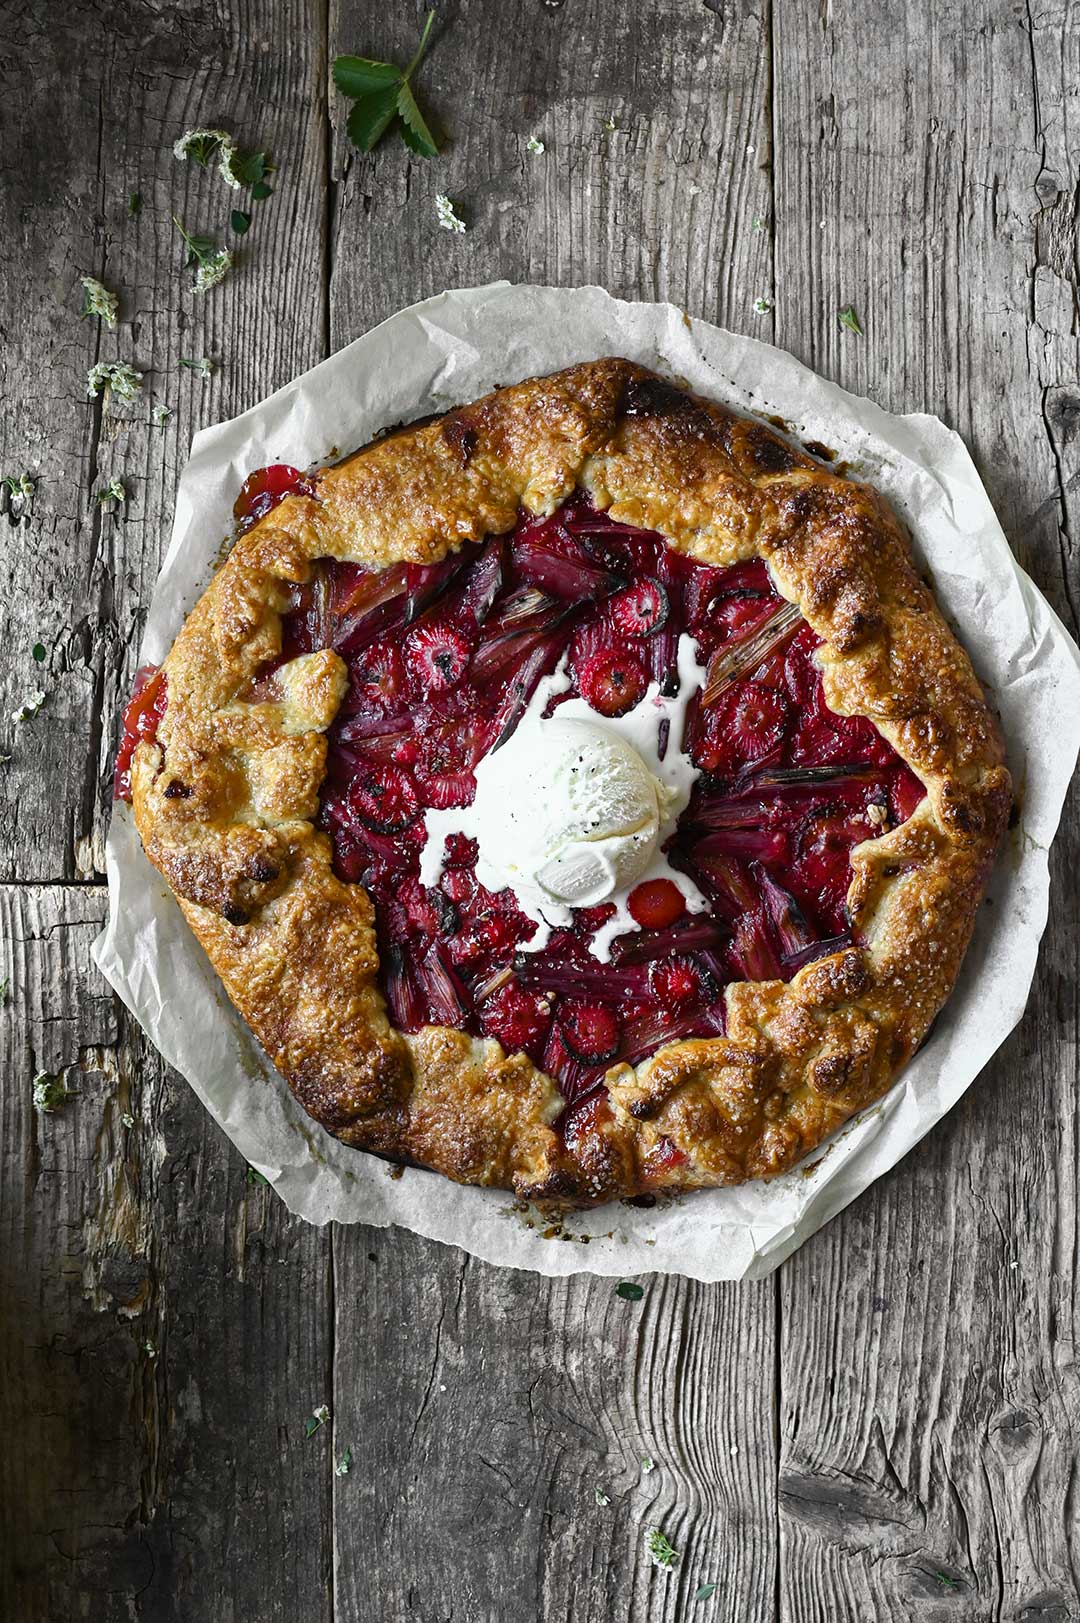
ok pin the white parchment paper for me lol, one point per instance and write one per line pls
(441, 353)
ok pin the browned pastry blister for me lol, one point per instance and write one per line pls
(226, 796)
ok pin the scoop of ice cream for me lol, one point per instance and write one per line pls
(568, 809)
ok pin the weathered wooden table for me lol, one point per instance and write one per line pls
(886, 1429)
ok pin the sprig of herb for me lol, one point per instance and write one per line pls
(237, 169)
(20, 493)
(98, 301)
(762, 305)
(255, 1176)
(29, 707)
(535, 146)
(601, 1497)
(149, 1349)
(212, 262)
(662, 1553)
(446, 215)
(49, 1091)
(161, 415)
(647, 1465)
(203, 368)
(318, 1417)
(116, 378)
(113, 492)
(847, 318)
(344, 1464)
(382, 99)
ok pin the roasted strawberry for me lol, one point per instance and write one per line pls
(589, 1030)
(378, 677)
(437, 655)
(384, 797)
(515, 1018)
(676, 981)
(612, 681)
(745, 725)
(641, 609)
(656, 903)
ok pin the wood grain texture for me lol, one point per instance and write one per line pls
(78, 577)
(932, 1472)
(887, 1430)
(165, 1326)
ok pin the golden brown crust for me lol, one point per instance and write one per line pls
(224, 799)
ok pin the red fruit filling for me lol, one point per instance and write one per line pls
(263, 489)
(641, 610)
(142, 714)
(656, 904)
(443, 660)
(612, 681)
(437, 655)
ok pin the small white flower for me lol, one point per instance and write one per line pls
(128, 1119)
(213, 270)
(203, 144)
(447, 218)
(29, 707)
(662, 1553)
(149, 1349)
(602, 1498)
(762, 306)
(20, 489)
(344, 1464)
(610, 125)
(535, 145)
(115, 377)
(161, 415)
(760, 222)
(113, 492)
(50, 1093)
(648, 1465)
(99, 301)
(202, 369)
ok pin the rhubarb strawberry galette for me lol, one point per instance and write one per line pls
(580, 793)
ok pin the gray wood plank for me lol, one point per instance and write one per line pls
(483, 1494)
(165, 1328)
(78, 578)
(176, 1484)
(929, 1406)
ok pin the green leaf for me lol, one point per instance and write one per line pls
(240, 221)
(370, 116)
(134, 203)
(629, 1291)
(251, 167)
(704, 1591)
(255, 1176)
(847, 318)
(414, 131)
(355, 76)
(38, 651)
(261, 191)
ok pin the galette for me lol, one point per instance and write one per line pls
(580, 793)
